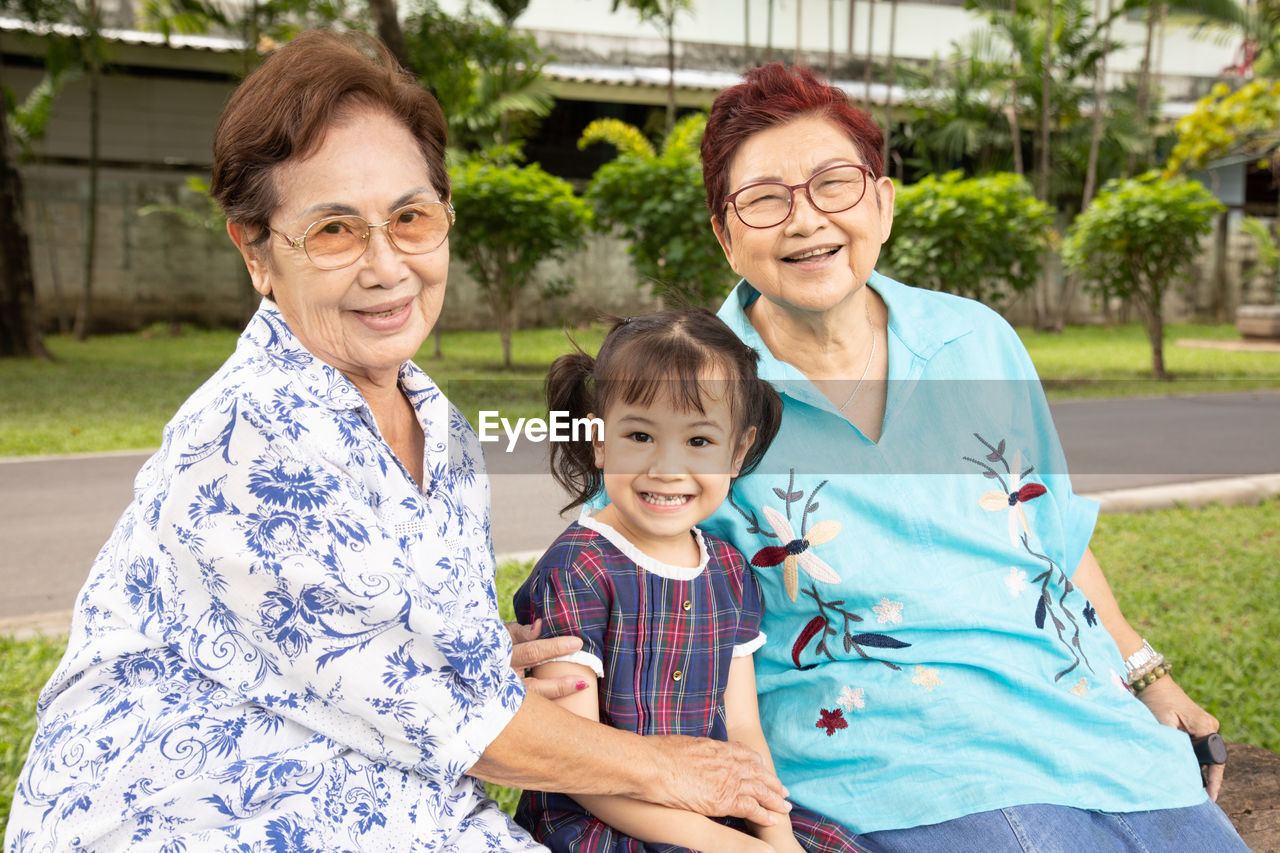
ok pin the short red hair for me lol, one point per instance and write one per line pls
(768, 96)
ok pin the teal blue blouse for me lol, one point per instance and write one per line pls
(928, 656)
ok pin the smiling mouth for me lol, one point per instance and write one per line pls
(811, 255)
(390, 312)
(665, 500)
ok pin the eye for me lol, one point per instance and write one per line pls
(640, 437)
(335, 227)
(408, 215)
(700, 441)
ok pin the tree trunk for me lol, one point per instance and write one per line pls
(1046, 96)
(1095, 128)
(866, 73)
(671, 70)
(19, 326)
(83, 312)
(507, 327)
(768, 31)
(1155, 333)
(1015, 130)
(795, 60)
(831, 36)
(888, 94)
(387, 23)
(1142, 105)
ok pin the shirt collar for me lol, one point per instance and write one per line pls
(268, 331)
(922, 324)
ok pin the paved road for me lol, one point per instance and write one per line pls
(56, 513)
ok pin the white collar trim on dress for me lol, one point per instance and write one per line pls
(643, 560)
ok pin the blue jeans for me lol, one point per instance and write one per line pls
(1061, 829)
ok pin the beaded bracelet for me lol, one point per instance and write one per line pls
(1142, 682)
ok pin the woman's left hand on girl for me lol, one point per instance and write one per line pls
(529, 651)
(1173, 707)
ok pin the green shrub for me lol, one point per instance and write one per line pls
(1135, 239)
(976, 237)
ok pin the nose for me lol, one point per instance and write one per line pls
(667, 462)
(382, 258)
(804, 218)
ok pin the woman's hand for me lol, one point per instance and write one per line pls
(529, 651)
(717, 778)
(1173, 707)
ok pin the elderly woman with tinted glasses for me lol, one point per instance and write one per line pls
(291, 640)
(946, 669)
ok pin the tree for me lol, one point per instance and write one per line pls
(1226, 121)
(1135, 239)
(662, 14)
(487, 78)
(19, 325)
(979, 237)
(656, 200)
(510, 219)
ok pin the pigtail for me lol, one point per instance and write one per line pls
(764, 412)
(573, 462)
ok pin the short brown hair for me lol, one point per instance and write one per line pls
(284, 108)
(772, 95)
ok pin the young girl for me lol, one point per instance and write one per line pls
(668, 616)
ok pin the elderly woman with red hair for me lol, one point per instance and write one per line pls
(946, 669)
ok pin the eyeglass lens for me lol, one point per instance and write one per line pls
(340, 240)
(831, 191)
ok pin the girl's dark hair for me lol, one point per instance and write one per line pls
(643, 358)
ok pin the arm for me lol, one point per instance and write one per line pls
(742, 717)
(1164, 698)
(592, 767)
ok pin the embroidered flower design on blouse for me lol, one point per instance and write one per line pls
(831, 720)
(1014, 497)
(820, 627)
(851, 699)
(1081, 687)
(1016, 580)
(795, 554)
(1049, 610)
(1090, 615)
(888, 612)
(927, 677)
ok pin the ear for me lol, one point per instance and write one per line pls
(740, 452)
(885, 191)
(254, 258)
(722, 236)
(597, 445)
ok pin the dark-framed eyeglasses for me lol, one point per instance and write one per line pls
(339, 241)
(832, 190)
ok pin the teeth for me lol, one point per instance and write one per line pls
(812, 253)
(665, 500)
(388, 313)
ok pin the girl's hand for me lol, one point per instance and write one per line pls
(529, 651)
(1174, 708)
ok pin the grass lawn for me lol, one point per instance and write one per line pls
(117, 392)
(1199, 584)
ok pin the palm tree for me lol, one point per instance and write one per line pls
(662, 14)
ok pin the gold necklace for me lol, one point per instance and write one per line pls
(866, 306)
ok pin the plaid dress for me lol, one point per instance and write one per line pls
(661, 639)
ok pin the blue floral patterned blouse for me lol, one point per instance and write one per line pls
(285, 645)
(928, 656)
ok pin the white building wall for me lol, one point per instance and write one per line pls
(924, 30)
